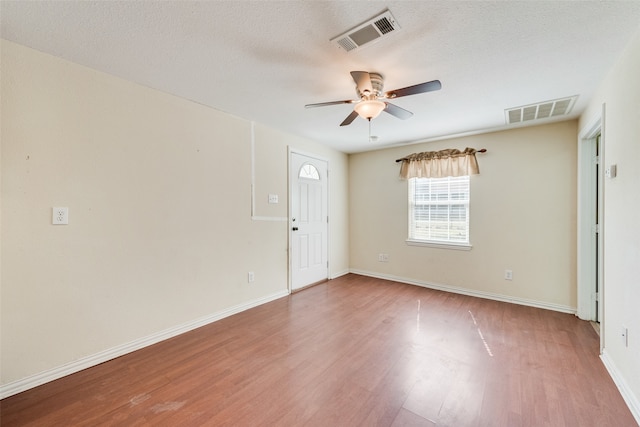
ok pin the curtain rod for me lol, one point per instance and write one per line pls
(482, 150)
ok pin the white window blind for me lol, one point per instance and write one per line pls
(439, 209)
(309, 171)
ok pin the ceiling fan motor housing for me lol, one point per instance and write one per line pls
(377, 84)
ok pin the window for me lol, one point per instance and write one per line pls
(439, 211)
(309, 171)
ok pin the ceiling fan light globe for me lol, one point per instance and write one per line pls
(369, 109)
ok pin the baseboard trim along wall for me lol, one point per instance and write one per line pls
(338, 274)
(631, 400)
(480, 294)
(32, 381)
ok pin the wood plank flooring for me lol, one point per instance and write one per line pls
(354, 351)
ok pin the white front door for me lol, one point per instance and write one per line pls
(308, 220)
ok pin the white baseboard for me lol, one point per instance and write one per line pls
(627, 394)
(464, 291)
(339, 274)
(32, 381)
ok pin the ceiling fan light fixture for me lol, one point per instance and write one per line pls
(369, 109)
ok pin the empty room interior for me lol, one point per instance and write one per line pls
(320, 213)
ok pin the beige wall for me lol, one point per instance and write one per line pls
(620, 93)
(522, 218)
(159, 194)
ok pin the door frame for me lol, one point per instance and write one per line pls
(588, 244)
(293, 181)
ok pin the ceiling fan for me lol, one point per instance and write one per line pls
(371, 103)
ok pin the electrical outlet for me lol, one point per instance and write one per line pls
(380, 257)
(508, 275)
(383, 257)
(250, 277)
(59, 216)
(273, 198)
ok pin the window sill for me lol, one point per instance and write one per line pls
(440, 245)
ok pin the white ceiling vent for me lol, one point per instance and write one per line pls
(367, 32)
(542, 110)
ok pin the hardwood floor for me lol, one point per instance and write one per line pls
(354, 351)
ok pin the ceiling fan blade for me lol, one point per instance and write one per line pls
(363, 81)
(324, 104)
(396, 111)
(414, 90)
(350, 118)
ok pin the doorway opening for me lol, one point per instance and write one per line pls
(590, 226)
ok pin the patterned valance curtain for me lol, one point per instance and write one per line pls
(439, 164)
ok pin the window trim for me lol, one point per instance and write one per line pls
(440, 244)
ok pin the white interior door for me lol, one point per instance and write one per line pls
(308, 220)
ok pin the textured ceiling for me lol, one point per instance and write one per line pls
(264, 60)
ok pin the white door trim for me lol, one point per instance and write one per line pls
(293, 181)
(588, 182)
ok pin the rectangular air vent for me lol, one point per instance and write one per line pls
(542, 110)
(367, 32)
